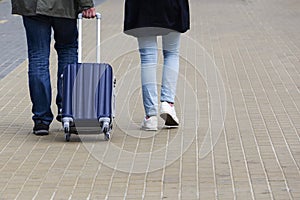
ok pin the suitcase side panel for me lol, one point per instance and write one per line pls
(104, 95)
(69, 76)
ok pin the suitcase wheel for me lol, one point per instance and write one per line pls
(67, 134)
(67, 137)
(106, 128)
(107, 136)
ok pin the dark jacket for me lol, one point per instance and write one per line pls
(54, 8)
(159, 16)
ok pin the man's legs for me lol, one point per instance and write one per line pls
(38, 33)
(66, 45)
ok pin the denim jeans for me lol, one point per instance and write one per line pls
(148, 53)
(38, 33)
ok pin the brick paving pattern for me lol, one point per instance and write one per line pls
(238, 100)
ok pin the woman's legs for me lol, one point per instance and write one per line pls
(148, 54)
(171, 44)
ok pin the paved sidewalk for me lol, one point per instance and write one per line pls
(238, 100)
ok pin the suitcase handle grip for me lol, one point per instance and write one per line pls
(98, 25)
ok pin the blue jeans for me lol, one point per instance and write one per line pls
(148, 53)
(38, 32)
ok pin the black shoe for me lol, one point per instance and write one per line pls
(73, 129)
(59, 115)
(41, 129)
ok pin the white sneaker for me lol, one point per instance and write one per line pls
(149, 124)
(168, 113)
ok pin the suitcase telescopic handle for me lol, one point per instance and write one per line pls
(98, 25)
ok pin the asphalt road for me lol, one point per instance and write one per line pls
(13, 49)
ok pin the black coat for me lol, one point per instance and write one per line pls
(156, 17)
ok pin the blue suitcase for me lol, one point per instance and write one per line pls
(88, 93)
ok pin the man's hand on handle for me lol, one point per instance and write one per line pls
(89, 13)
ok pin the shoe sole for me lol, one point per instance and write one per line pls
(148, 129)
(73, 130)
(41, 132)
(169, 121)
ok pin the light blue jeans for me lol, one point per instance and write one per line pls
(148, 53)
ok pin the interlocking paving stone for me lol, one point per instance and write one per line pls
(238, 100)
